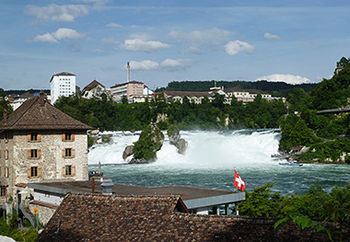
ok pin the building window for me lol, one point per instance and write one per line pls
(34, 153)
(6, 154)
(34, 171)
(6, 172)
(68, 170)
(2, 191)
(33, 137)
(68, 137)
(68, 152)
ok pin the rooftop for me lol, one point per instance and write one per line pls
(37, 114)
(193, 197)
(130, 218)
(91, 85)
(125, 83)
(62, 74)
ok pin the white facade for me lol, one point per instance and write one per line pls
(62, 84)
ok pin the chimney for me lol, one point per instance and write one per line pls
(5, 114)
(128, 74)
(93, 185)
(42, 98)
(107, 186)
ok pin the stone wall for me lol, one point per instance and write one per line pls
(51, 161)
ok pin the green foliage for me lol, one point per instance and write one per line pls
(10, 229)
(322, 151)
(295, 132)
(277, 88)
(262, 202)
(173, 130)
(4, 105)
(107, 115)
(149, 142)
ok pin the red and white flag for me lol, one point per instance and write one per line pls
(238, 182)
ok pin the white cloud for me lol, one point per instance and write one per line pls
(45, 38)
(173, 65)
(60, 34)
(234, 47)
(214, 36)
(271, 36)
(114, 25)
(287, 78)
(144, 65)
(66, 33)
(64, 13)
(167, 65)
(142, 45)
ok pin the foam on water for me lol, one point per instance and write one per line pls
(206, 149)
(210, 160)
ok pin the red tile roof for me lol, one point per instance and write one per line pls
(32, 115)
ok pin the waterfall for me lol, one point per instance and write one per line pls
(206, 149)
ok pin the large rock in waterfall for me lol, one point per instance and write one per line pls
(128, 151)
(175, 139)
(150, 141)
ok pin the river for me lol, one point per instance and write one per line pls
(210, 160)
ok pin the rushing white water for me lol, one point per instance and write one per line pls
(206, 149)
(210, 160)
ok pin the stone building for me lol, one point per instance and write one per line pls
(38, 142)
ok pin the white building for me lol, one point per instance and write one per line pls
(62, 84)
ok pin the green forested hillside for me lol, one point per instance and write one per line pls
(275, 88)
(108, 115)
(327, 136)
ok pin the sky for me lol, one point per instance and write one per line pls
(293, 41)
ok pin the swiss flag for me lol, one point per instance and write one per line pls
(238, 182)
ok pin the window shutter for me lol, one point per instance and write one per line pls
(63, 153)
(39, 137)
(28, 172)
(29, 137)
(73, 170)
(73, 137)
(39, 154)
(73, 153)
(63, 137)
(64, 171)
(28, 155)
(39, 172)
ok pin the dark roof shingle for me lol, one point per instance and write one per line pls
(32, 115)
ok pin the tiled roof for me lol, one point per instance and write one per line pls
(33, 115)
(116, 218)
(91, 85)
(125, 83)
